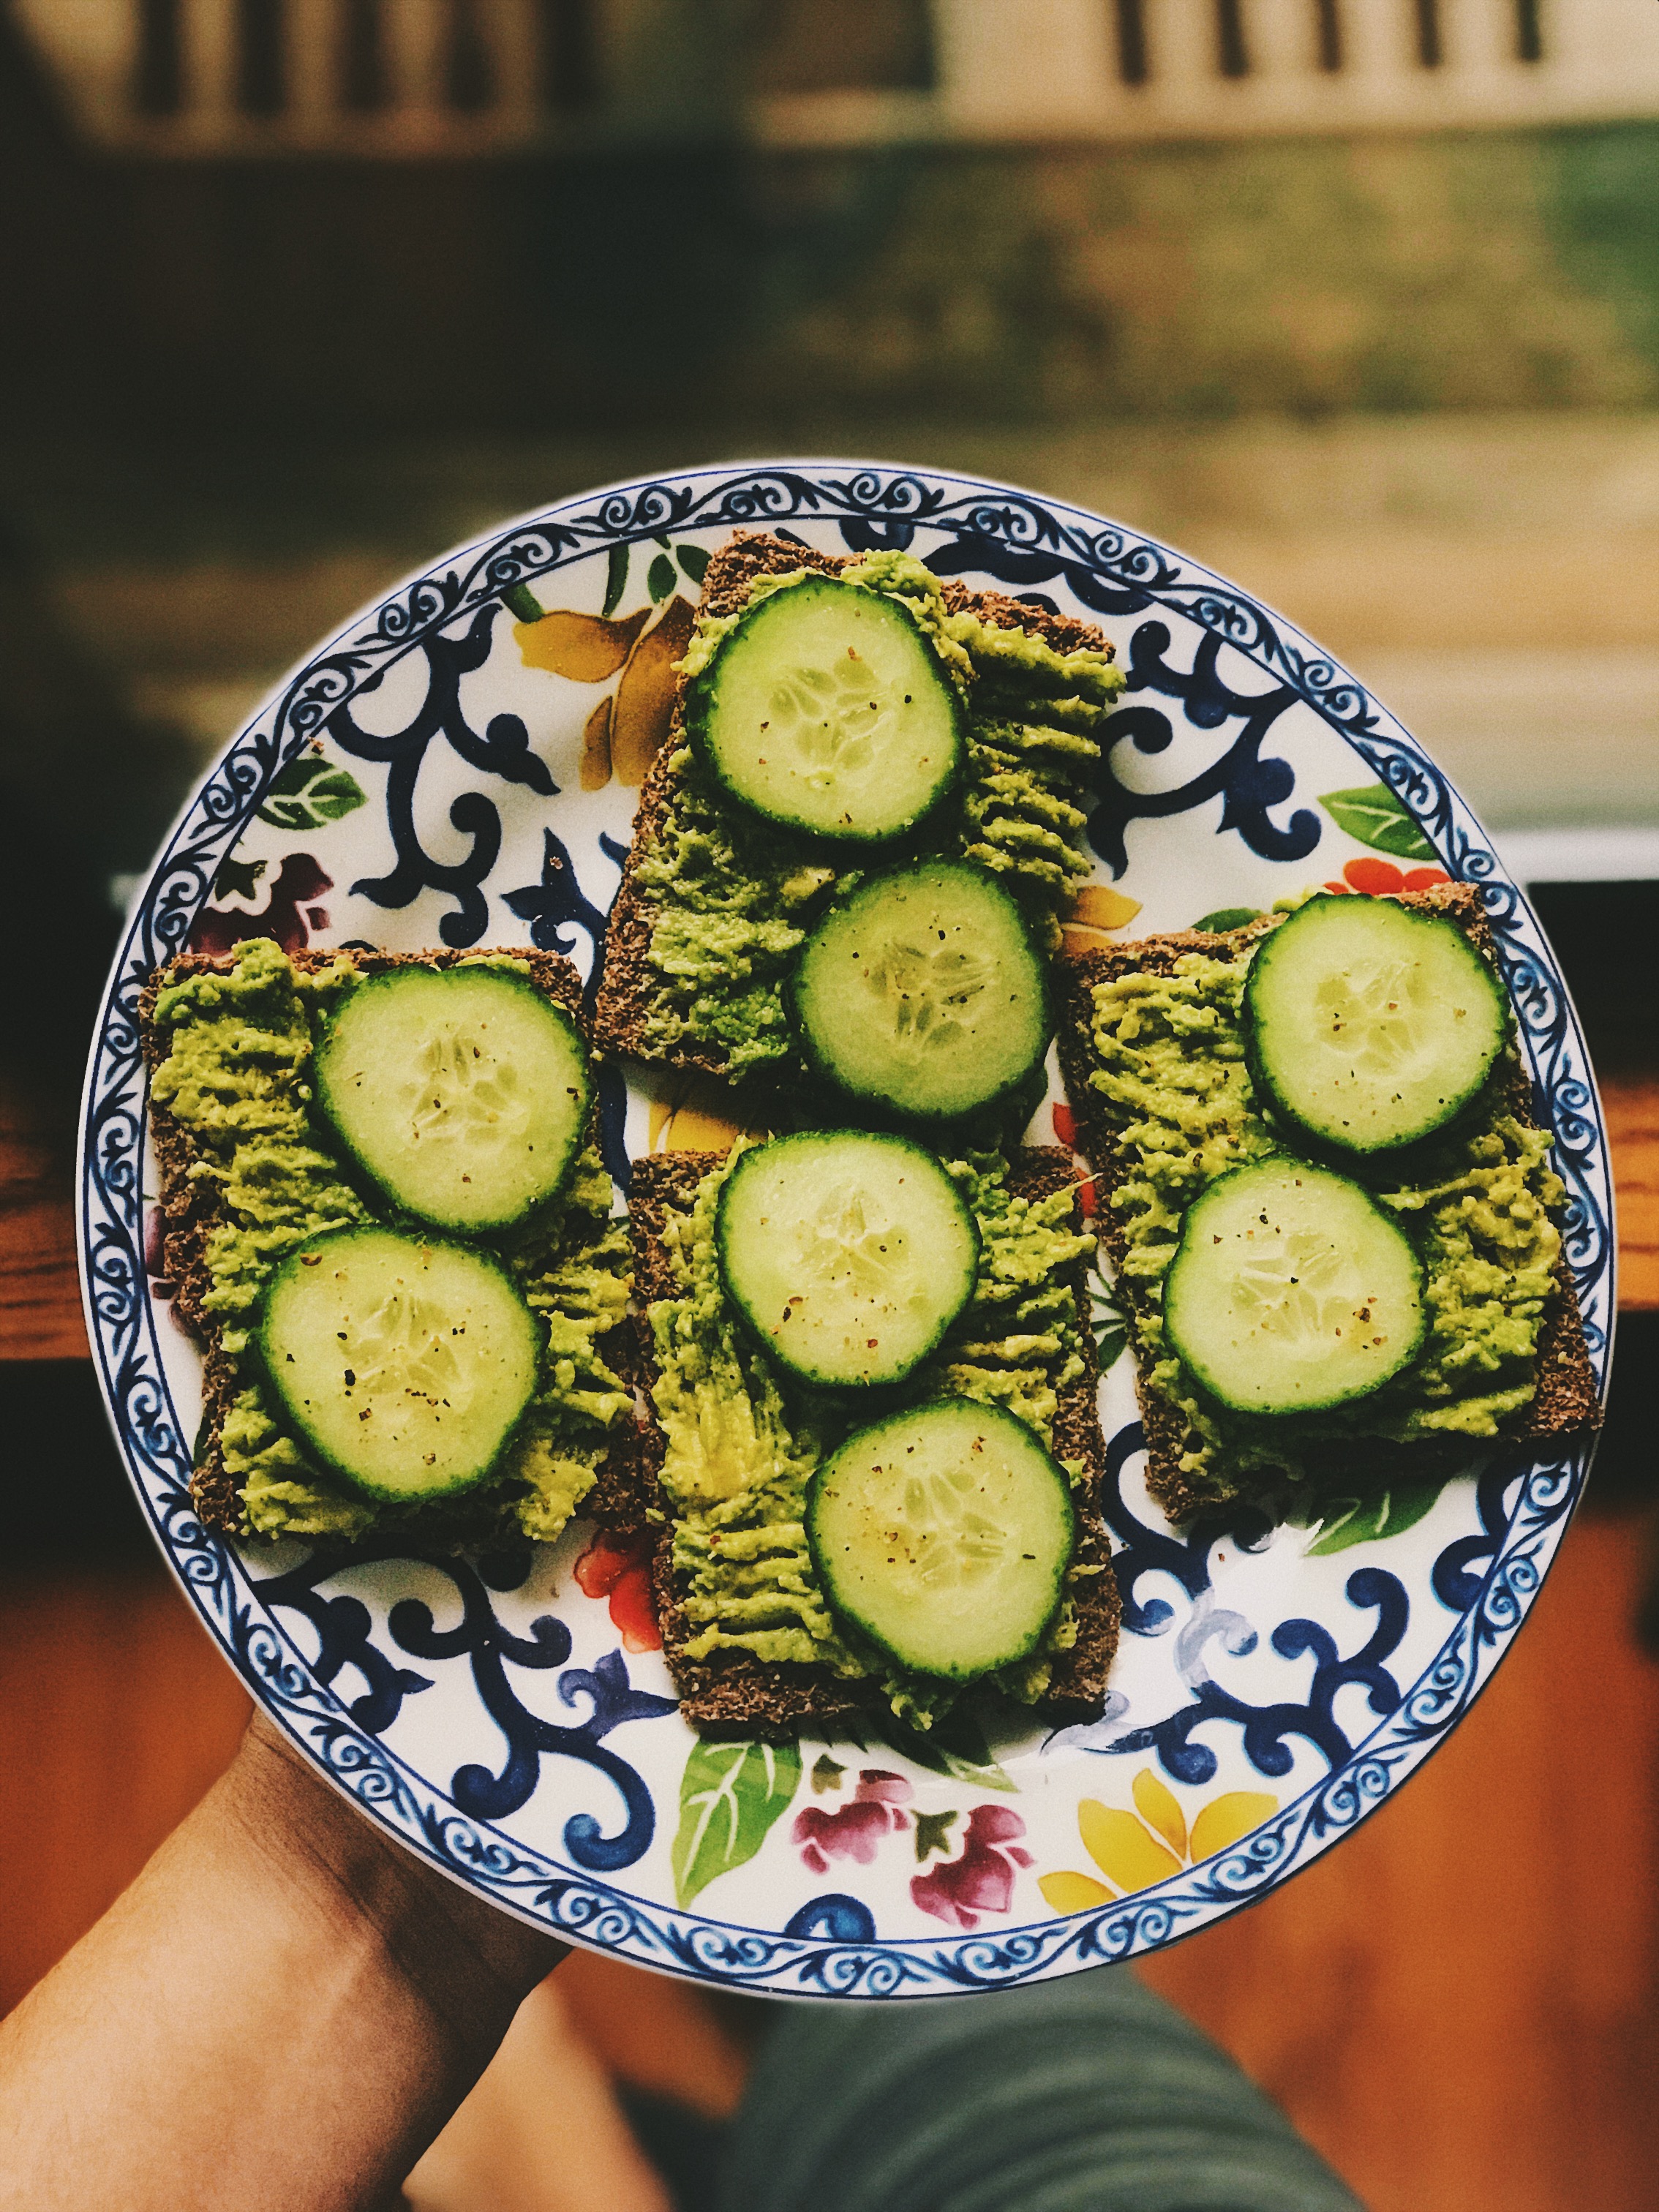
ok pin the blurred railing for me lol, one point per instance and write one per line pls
(396, 77)
(1136, 68)
(405, 78)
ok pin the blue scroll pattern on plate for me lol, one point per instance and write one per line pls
(1485, 1580)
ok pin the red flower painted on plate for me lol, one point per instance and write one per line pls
(983, 1880)
(1378, 878)
(855, 1831)
(622, 1573)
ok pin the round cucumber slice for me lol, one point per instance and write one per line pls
(1369, 1025)
(1290, 1289)
(848, 1255)
(461, 1091)
(944, 1535)
(404, 1364)
(922, 994)
(826, 710)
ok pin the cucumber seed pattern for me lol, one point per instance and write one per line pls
(852, 1240)
(932, 993)
(459, 1095)
(1295, 1287)
(828, 719)
(1370, 1015)
(948, 1538)
(403, 1350)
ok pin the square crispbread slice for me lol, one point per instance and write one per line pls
(190, 1208)
(1566, 1402)
(738, 1694)
(625, 985)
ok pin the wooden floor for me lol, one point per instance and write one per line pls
(1458, 2005)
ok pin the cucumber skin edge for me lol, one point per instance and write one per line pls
(1323, 1404)
(746, 1320)
(699, 699)
(327, 1463)
(1262, 1080)
(826, 1581)
(387, 1199)
(936, 1127)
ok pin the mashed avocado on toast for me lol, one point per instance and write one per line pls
(257, 1186)
(1463, 1308)
(724, 884)
(751, 1627)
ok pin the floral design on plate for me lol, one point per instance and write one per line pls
(459, 768)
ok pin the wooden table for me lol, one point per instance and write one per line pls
(41, 1299)
(1388, 1978)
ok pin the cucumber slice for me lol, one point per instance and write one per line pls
(404, 1365)
(848, 1255)
(1370, 1025)
(461, 1091)
(826, 710)
(922, 994)
(944, 1535)
(1290, 1289)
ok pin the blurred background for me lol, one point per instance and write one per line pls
(1356, 300)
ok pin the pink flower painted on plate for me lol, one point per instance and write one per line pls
(983, 1880)
(855, 1831)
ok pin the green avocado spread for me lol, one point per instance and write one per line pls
(740, 1453)
(1169, 1063)
(237, 1076)
(734, 899)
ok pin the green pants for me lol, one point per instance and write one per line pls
(1085, 2095)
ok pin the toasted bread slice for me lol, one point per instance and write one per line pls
(625, 986)
(740, 1695)
(1566, 1402)
(190, 1208)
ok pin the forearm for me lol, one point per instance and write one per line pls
(281, 2011)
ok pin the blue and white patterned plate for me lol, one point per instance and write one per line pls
(431, 777)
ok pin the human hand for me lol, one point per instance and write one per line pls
(285, 2007)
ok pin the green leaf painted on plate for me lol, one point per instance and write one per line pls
(238, 879)
(615, 578)
(309, 792)
(933, 1833)
(1106, 1317)
(1229, 917)
(1379, 818)
(730, 1795)
(1369, 1521)
(955, 1746)
(660, 577)
(694, 559)
(522, 604)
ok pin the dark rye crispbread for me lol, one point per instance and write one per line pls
(190, 1208)
(1566, 1402)
(625, 985)
(737, 1694)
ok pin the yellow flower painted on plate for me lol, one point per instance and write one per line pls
(698, 1115)
(1096, 909)
(1135, 1849)
(629, 727)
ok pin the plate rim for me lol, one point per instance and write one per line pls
(476, 1854)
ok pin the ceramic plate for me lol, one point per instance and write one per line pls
(436, 775)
